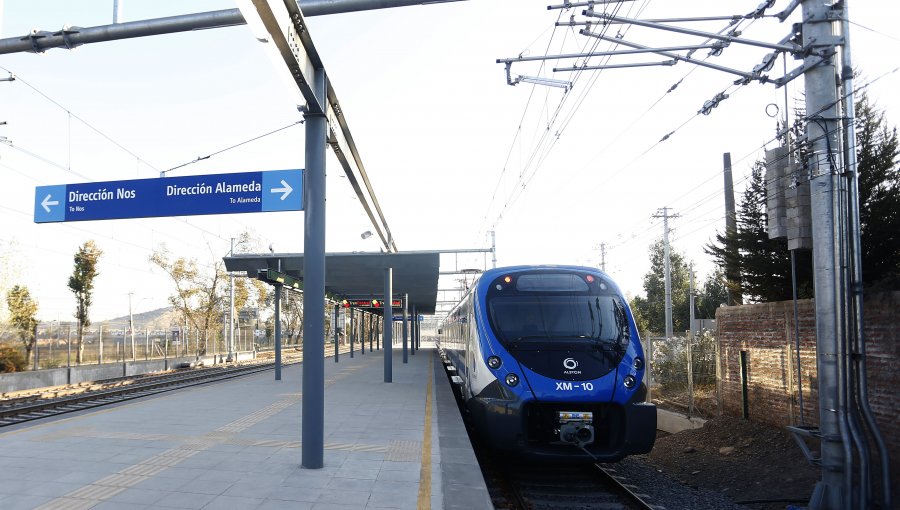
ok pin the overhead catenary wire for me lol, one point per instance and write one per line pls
(79, 119)
(544, 152)
(547, 141)
(715, 194)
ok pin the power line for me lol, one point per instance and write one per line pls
(83, 121)
(120, 146)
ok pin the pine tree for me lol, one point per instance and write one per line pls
(879, 196)
(764, 264)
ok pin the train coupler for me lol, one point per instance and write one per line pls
(576, 428)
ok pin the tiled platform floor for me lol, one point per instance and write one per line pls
(236, 445)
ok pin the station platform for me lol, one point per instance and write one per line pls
(236, 445)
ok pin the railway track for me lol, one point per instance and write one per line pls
(36, 407)
(516, 484)
(522, 485)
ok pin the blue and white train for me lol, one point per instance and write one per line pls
(550, 365)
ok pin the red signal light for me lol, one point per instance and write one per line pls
(376, 303)
(345, 303)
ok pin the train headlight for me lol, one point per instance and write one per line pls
(638, 363)
(512, 380)
(494, 362)
(629, 381)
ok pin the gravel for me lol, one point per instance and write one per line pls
(660, 490)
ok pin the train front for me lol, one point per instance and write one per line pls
(561, 367)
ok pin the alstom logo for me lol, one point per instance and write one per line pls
(570, 365)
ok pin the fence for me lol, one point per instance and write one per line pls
(57, 346)
(683, 373)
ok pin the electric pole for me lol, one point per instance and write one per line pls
(493, 250)
(130, 326)
(732, 273)
(603, 257)
(231, 309)
(664, 214)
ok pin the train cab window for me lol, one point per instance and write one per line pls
(559, 307)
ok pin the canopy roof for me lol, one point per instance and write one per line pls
(359, 275)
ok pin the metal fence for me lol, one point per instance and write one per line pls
(683, 373)
(57, 346)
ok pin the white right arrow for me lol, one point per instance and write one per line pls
(287, 189)
(46, 203)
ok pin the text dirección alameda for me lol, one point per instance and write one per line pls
(199, 189)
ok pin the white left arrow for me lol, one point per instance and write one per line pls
(287, 189)
(46, 203)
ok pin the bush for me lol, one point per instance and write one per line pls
(11, 360)
(669, 363)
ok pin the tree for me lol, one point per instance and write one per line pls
(292, 315)
(198, 294)
(764, 264)
(11, 359)
(9, 272)
(650, 312)
(879, 196)
(23, 316)
(81, 283)
(712, 294)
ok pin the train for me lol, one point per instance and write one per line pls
(549, 364)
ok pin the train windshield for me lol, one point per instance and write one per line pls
(568, 309)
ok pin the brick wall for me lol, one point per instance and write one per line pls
(766, 332)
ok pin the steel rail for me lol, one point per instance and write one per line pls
(635, 497)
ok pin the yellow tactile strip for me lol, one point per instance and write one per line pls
(424, 500)
(405, 451)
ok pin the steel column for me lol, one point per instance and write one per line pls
(405, 328)
(313, 403)
(412, 331)
(831, 492)
(278, 287)
(337, 336)
(388, 322)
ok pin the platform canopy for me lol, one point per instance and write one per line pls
(359, 275)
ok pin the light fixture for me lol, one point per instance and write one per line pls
(367, 234)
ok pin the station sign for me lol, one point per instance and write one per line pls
(410, 318)
(274, 277)
(369, 303)
(246, 192)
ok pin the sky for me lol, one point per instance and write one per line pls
(451, 149)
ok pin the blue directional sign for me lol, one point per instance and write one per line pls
(274, 190)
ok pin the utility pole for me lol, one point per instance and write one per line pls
(117, 11)
(493, 249)
(603, 257)
(131, 325)
(835, 489)
(692, 296)
(231, 308)
(690, 341)
(732, 274)
(664, 214)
